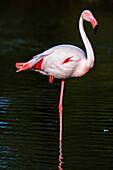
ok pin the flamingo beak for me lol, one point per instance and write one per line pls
(94, 23)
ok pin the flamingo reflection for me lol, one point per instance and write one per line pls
(60, 146)
(60, 156)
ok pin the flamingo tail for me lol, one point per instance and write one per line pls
(27, 65)
(36, 67)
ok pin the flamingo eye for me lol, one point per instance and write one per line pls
(87, 13)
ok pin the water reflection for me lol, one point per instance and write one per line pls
(60, 156)
(4, 104)
(15, 138)
(20, 132)
(5, 149)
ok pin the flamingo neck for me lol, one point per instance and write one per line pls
(89, 49)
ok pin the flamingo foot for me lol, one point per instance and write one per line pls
(51, 79)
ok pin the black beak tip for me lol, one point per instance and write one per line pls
(95, 29)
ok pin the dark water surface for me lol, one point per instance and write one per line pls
(29, 119)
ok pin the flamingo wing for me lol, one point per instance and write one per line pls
(62, 62)
(41, 56)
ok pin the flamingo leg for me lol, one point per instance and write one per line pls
(61, 108)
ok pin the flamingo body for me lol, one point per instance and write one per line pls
(64, 61)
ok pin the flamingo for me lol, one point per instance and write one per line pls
(64, 61)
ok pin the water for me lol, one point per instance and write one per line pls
(29, 119)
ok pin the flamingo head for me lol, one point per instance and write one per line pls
(88, 16)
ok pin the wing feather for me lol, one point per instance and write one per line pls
(41, 56)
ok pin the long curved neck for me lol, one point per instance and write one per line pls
(89, 49)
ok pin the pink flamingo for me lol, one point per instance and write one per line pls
(64, 61)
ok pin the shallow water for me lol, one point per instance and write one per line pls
(29, 118)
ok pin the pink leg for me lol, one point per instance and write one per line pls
(61, 108)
